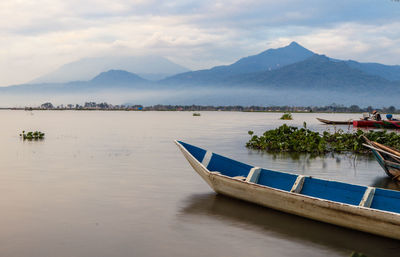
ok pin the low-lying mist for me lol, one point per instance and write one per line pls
(201, 96)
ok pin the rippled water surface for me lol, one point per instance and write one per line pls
(114, 184)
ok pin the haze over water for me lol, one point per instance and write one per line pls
(114, 184)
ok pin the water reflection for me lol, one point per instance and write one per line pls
(306, 157)
(356, 254)
(292, 227)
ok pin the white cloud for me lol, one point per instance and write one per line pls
(37, 36)
(365, 43)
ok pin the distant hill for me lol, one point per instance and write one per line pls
(149, 67)
(389, 72)
(268, 60)
(317, 73)
(112, 79)
(117, 77)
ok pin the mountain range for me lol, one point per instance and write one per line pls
(266, 61)
(291, 70)
(317, 72)
(292, 66)
(147, 66)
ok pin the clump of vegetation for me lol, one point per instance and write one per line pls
(287, 116)
(302, 140)
(196, 114)
(36, 135)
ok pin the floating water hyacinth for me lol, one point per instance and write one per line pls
(32, 135)
(287, 116)
(302, 140)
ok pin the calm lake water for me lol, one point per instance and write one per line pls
(115, 184)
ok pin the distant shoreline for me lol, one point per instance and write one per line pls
(197, 108)
(103, 106)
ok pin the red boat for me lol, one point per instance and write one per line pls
(377, 124)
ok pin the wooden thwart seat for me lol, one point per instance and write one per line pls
(366, 201)
(253, 175)
(298, 184)
(207, 158)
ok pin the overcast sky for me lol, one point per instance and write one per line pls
(38, 36)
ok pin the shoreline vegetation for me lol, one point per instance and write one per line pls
(302, 140)
(333, 108)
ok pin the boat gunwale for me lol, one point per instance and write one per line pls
(368, 210)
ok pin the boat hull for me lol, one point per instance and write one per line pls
(332, 122)
(388, 158)
(377, 124)
(360, 218)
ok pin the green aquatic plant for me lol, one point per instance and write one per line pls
(287, 116)
(32, 135)
(302, 140)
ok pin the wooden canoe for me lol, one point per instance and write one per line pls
(332, 122)
(387, 157)
(362, 208)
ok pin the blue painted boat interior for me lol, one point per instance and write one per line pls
(333, 191)
(386, 200)
(228, 167)
(197, 152)
(275, 179)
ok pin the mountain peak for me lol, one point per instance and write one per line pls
(294, 46)
(273, 58)
(294, 43)
(268, 60)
